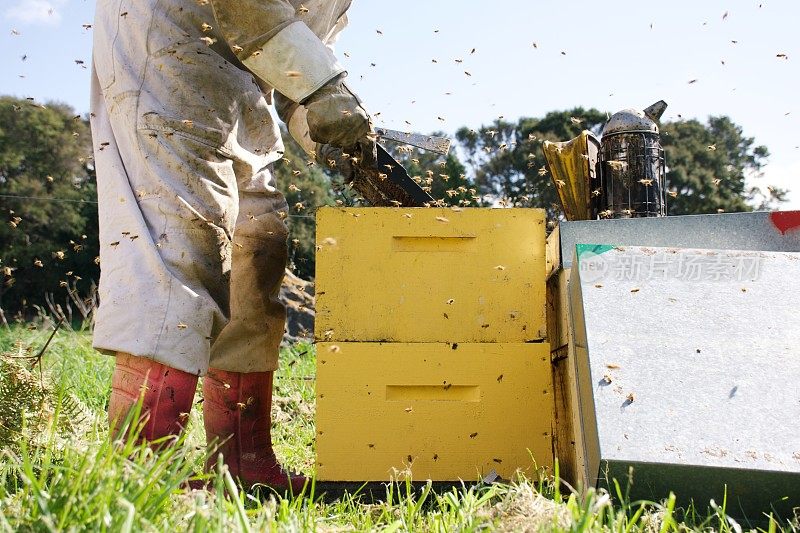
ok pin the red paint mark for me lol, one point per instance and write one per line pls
(785, 220)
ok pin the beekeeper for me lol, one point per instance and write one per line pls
(192, 227)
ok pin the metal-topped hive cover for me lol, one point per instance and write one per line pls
(635, 121)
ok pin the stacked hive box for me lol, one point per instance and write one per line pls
(431, 355)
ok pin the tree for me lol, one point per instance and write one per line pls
(708, 166)
(508, 161)
(443, 177)
(306, 187)
(47, 200)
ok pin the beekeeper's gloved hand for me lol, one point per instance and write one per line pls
(336, 117)
(335, 159)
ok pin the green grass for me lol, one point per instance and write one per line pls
(59, 472)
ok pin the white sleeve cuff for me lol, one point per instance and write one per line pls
(295, 62)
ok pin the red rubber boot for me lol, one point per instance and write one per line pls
(237, 411)
(168, 395)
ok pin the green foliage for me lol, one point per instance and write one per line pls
(707, 164)
(45, 152)
(707, 167)
(306, 188)
(21, 401)
(29, 400)
(508, 161)
(443, 177)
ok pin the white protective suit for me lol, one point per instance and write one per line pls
(192, 227)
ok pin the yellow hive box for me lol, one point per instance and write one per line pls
(430, 275)
(442, 411)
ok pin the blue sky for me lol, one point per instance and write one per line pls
(604, 54)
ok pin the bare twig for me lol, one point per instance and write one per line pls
(87, 305)
(38, 357)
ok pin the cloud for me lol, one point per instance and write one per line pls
(36, 12)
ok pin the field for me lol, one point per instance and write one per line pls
(58, 470)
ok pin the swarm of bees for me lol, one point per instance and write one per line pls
(449, 185)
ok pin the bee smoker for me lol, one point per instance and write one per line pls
(633, 177)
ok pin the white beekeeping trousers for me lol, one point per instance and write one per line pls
(192, 227)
